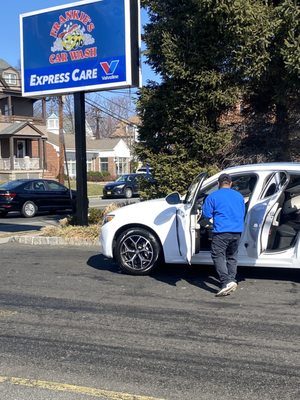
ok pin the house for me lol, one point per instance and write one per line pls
(111, 155)
(22, 137)
(128, 131)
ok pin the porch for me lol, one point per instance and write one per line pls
(20, 168)
(22, 151)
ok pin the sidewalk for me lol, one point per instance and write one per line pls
(35, 238)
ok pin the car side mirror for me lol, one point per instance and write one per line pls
(173, 198)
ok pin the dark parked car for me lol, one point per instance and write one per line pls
(126, 185)
(32, 195)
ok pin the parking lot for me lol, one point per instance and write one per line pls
(73, 326)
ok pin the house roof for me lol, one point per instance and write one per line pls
(20, 129)
(4, 65)
(91, 144)
(121, 131)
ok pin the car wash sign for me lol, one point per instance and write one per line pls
(82, 46)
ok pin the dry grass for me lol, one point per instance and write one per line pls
(68, 231)
(72, 232)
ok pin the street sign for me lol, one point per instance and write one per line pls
(82, 46)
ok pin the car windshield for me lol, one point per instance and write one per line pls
(125, 178)
(11, 185)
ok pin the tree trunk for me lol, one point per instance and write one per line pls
(282, 133)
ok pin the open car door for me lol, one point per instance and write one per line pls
(264, 214)
(186, 219)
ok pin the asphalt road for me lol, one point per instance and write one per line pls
(73, 327)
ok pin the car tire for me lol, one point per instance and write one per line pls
(29, 209)
(128, 193)
(3, 214)
(137, 251)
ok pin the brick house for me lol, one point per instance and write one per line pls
(22, 136)
(110, 155)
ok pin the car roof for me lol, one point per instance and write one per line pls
(272, 166)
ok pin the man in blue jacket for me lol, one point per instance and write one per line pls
(226, 207)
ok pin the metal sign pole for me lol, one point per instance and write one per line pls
(81, 173)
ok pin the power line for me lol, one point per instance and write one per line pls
(112, 102)
(110, 113)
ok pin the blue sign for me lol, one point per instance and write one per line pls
(83, 46)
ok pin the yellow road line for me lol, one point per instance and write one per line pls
(64, 387)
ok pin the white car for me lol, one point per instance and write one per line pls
(171, 230)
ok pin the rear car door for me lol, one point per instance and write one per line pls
(58, 195)
(264, 214)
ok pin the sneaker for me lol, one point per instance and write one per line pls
(230, 287)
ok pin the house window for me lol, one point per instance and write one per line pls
(122, 165)
(10, 78)
(104, 164)
(71, 168)
(89, 165)
(52, 124)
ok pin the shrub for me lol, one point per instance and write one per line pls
(96, 176)
(95, 216)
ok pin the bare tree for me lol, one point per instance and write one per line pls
(104, 115)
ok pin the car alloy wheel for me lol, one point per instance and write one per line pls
(137, 251)
(29, 209)
(128, 193)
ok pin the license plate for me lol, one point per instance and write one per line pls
(108, 192)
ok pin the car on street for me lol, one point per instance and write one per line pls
(126, 185)
(172, 230)
(29, 196)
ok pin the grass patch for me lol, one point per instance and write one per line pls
(93, 188)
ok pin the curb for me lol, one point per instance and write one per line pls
(49, 241)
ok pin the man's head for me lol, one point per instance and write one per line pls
(224, 180)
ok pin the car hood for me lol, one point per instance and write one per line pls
(114, 184)
(150, 211)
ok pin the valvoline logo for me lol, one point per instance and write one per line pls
(109, 68)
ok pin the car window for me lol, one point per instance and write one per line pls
(244, 184)
(54, 186)
(38, 186)
(122, 178)
(11, 185)
(28, 186)
(274, 183)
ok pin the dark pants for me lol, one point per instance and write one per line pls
(224, 251)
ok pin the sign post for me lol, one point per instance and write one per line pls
(81, 173)
(80, 47)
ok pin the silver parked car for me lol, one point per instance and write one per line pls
(172, 230)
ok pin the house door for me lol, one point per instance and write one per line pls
(21, 148)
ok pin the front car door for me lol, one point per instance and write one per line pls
(186, 220)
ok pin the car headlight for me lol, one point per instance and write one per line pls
(108, 218)
(119, 186)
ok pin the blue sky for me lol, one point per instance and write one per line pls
(9, 28)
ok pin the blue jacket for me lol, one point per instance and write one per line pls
(227, 209)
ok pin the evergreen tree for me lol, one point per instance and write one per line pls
(210, 54)
(271, 84)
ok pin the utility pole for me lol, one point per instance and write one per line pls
(61, 170)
